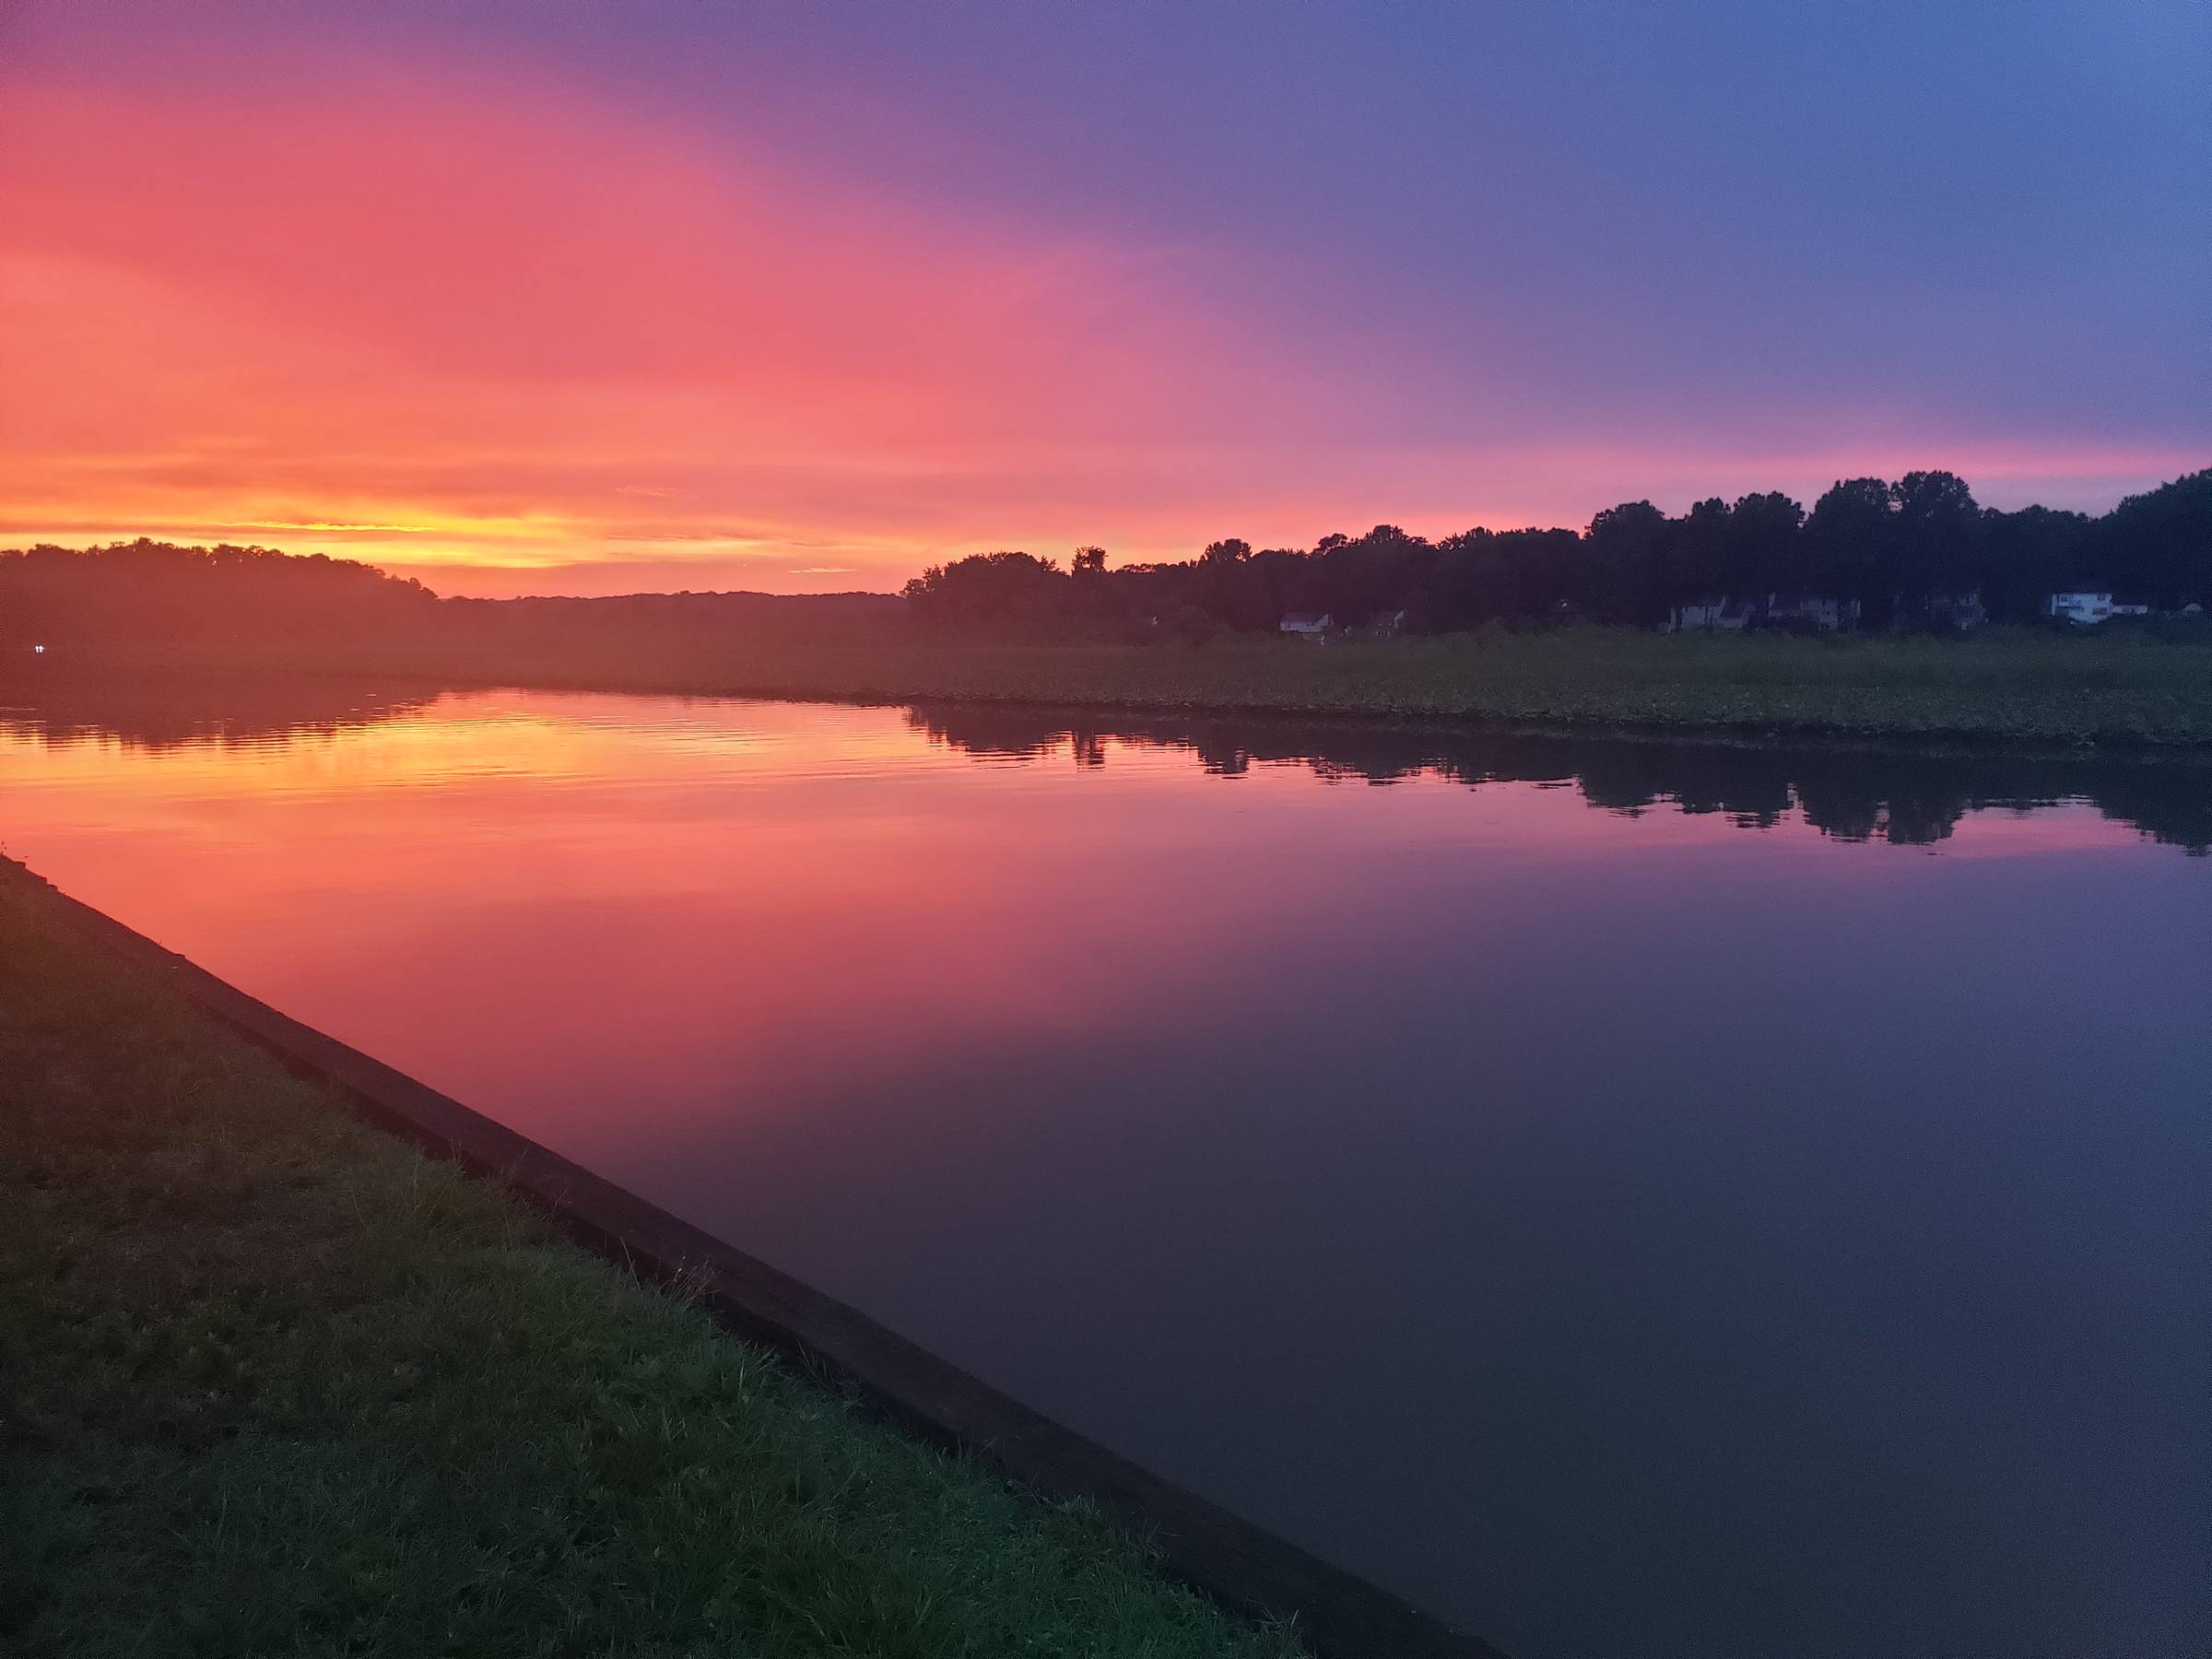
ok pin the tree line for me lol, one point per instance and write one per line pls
(149, 590)
(247, 597)
(1897, 550)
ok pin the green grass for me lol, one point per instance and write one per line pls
(272, 1384)
(2122, 686)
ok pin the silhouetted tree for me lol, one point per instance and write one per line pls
(2156, 547)
(1007, 590)
(1936, 529)
(2027, 556)
(148, 592)
(1851, 538)
(1623, 567)
(1695, 559)
(1891, 547)
(1765, 547)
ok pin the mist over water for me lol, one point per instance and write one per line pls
(1631, 1199)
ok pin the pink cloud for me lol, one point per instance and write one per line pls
(514, 327)
(491, 330)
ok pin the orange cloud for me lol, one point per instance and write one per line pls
(440, 328)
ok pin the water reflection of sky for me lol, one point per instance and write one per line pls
(1618, 1228)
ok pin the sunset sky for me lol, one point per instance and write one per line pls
(588, 298)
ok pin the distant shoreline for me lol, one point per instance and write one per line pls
(2003, 687)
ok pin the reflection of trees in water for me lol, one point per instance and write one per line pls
(1905, 798)
(158, 713)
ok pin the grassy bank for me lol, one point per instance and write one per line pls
(2124, 688)
(272, 1384)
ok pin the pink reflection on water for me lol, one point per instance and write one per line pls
(515, 895)
(1631, 1162)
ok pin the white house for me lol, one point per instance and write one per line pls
(1821, 612)
(1699, 613)
(2082, 608)
(1306, 625)
(1725, 613)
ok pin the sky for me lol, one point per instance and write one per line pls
(566, 297)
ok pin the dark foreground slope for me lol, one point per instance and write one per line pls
(276, 1383)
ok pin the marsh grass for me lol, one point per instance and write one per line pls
(272, 1383)
(2123, 687)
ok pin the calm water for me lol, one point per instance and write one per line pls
(1634, 1201)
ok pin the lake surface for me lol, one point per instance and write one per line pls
(1632, 1200)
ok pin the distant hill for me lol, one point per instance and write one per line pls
(797, 617)
(156, 593)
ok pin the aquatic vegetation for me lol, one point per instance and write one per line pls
(2123, 689)
(2008, 685)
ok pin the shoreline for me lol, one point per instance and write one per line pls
(2007, 691)
(1240, 1567)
